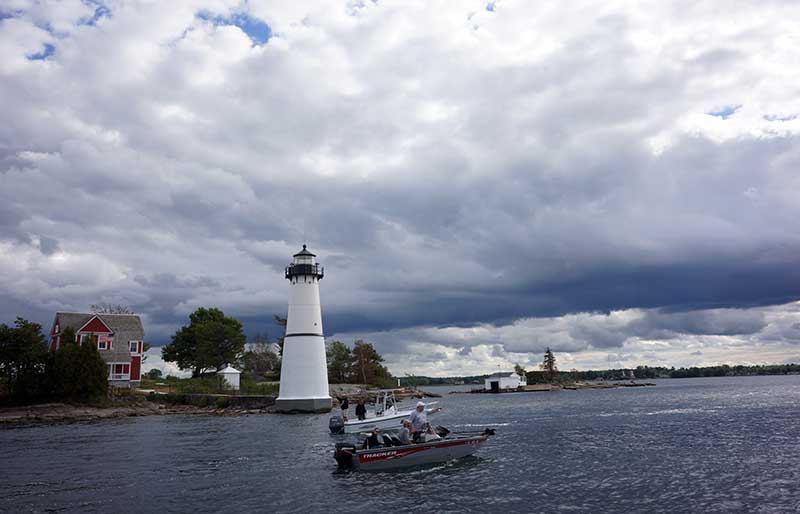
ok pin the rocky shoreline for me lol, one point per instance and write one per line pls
(48, 413)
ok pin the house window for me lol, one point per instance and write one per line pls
(102, 345)
(121, 372)
(134, 345)
(85, 337)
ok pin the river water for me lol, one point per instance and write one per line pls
(722, 445)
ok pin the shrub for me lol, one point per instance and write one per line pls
(249, 386)
(211, 384)
(200, 401)
(79, 372)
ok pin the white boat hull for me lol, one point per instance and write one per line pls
(389, 423)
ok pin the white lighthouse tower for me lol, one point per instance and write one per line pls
(304, 370)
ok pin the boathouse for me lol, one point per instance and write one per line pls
(119, 339)
(497, 382)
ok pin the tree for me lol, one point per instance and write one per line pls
(366, 364)
(210, 340)
(339, 362)
(154, 374)
(259, 359)
(519, 370)
(548, 365)
(78, 370)
(23, 358)
(110, 308)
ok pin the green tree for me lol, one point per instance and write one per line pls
(548, 365)
(78, 370)
(210, 340)
(367, 367)
(339, 362)
(23, 358)
(154, 374)
(519, 370)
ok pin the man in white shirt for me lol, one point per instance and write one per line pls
(419, 417)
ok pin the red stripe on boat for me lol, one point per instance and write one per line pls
(391, 454)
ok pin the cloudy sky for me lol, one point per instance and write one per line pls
(618, 180)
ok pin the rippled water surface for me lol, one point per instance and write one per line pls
(699, 445)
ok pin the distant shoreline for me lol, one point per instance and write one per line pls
(539, 388)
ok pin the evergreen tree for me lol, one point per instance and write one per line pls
(366, 365)
(78, 370)
(23, 358)
(548, 365)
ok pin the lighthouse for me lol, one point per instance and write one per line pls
(304, 370)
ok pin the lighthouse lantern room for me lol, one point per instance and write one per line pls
(304, 371)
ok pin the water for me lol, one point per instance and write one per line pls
(722, 445)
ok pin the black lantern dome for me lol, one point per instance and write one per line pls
(304, 264)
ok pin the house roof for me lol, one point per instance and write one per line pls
(229, 369)
(501, 375)
(116, 322)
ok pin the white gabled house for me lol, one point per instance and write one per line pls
(497, 382)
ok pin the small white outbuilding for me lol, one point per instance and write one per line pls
(497, 382)
(231, 376)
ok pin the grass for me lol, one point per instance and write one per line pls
(209, 385)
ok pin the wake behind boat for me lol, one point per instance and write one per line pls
(385, 417)
(393, 456)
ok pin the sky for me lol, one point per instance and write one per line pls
(618, 180)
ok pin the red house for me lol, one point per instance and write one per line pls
(119, 338)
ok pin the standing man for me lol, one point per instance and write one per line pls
(361, 410)
(418, 419)
(345, 405)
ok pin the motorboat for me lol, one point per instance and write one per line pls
(384, 415)
(391, 456)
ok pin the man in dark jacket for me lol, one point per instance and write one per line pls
(361, 410)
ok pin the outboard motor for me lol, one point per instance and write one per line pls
(343, 454)
(488, 431)
(336, 424)
(441, 431)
